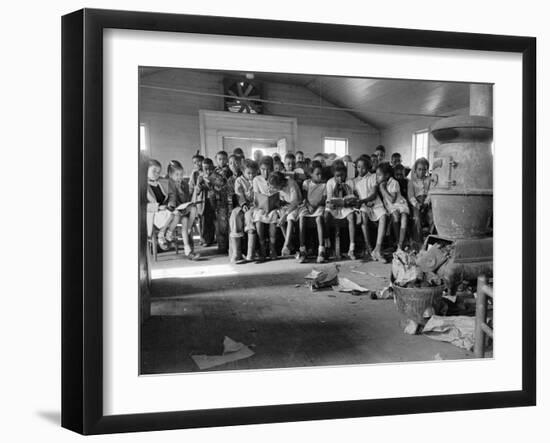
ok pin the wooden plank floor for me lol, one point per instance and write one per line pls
(261, 306)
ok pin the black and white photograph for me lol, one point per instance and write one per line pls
(275, 221)
(298, 220)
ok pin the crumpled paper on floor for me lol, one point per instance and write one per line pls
(404, 269)
(385, 293)
(232, 351)
(346, 285)
(457, 330)
(322, 278)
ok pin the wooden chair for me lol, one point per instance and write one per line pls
(482, 329)
(152, 243)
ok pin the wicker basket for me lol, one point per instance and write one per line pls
(413, 302)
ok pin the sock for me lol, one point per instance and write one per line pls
(352, 246)
(321, 249)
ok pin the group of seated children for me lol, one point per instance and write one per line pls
(238, 198)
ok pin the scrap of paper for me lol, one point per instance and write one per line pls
(232, 351)
(346, 285)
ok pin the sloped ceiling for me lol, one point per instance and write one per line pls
(378, 102)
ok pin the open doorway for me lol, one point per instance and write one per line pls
(251, 144)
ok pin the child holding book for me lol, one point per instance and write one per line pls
(314, 191)
(289, 199)
(370, 207)
(182, 208)
(241, 221)
(261, 214)
(395, 203)
(339, 204)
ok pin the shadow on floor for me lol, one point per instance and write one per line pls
(53, 417)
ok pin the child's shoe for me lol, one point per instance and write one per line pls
(162, 241)
(285, 252)
(301, 257)
(367, 255)
(376, 255)
(193, 256)
(169, 236)
(321, 258)
(351, 254)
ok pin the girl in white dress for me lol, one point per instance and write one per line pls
(289, 199)
(314, 191)
(395, 203)
(339, 204)
(240, 221)
(260, 217)
(370, 207)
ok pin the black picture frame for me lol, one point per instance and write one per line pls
(82, 230)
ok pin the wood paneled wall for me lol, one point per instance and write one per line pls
(172, 118)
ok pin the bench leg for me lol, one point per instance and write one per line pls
(337, 252)
(154, 246)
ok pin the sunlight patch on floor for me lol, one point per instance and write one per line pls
(194, 271)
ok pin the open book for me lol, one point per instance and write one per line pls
(340, 202)
(267, 202)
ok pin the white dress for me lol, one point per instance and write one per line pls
(261, 186)
(400, 204)
(365, 186)
(245, 195)
(316, 194)
(339, 191)
(290, 196)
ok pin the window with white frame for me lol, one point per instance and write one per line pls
(143, 142)
(420, 144)
(338, 146)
